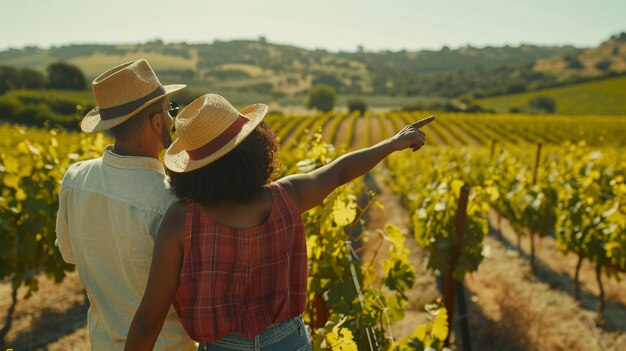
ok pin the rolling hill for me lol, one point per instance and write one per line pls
(604, 96)
(258, 66)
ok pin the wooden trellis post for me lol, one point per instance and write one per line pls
(450, 284)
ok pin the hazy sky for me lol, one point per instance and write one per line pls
(330, 24)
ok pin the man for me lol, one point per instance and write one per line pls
(111, 207)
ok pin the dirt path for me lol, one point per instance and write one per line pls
(342, 131)
(329, 128)
(512, 309)
(559, 268)
(424, 290)
(376, 133)
(465, 135)
(54, 318)
(444, 135)
(359, 140)
(390, 129)
(432, 138)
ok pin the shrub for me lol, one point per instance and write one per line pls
(65, 76)
(44, 108)
(603, 65)
(573, 62)
(8, 107)
(542, 103)
(356, 104)
(322, 98)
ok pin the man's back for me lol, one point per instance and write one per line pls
(117, 204)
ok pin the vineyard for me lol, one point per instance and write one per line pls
(603, 97)
(526, 212)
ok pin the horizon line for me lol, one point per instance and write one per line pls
(354, 50)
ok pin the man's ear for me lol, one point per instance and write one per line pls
(156, 122)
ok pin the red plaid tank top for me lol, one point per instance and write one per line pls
(242, 280)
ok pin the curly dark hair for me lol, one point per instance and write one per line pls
(237, 176)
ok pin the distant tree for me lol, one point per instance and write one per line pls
(31, 79)
(25, 78)
(9, 79)
(263, 87)
(449, 107)
(515, 88)
(65, 76)
(573, 62)
(356, 104)
(156, 41)
(542, 103)
(603, 65)
(8, 106)
(328, 79)
(322, 98)
(262, 39)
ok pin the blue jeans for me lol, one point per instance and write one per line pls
(290, 335)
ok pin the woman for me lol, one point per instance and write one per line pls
(231, 254)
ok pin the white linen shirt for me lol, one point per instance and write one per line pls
(110, 209)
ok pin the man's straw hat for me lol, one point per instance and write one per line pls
(207, 129)
(122, 92)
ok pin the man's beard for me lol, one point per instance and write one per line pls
(166, 139)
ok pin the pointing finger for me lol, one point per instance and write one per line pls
(423, 122)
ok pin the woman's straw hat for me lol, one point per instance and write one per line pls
(122, 92)
(207, 129)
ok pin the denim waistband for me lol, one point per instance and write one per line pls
(268, 337)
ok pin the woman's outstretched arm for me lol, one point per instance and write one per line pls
(162, 282)
(309, 190)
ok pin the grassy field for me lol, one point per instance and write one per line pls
(605, 96)
(97, 63)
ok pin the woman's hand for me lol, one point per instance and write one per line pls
(411, 136)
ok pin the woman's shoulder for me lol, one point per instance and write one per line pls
(287, 192)
(282, 185)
